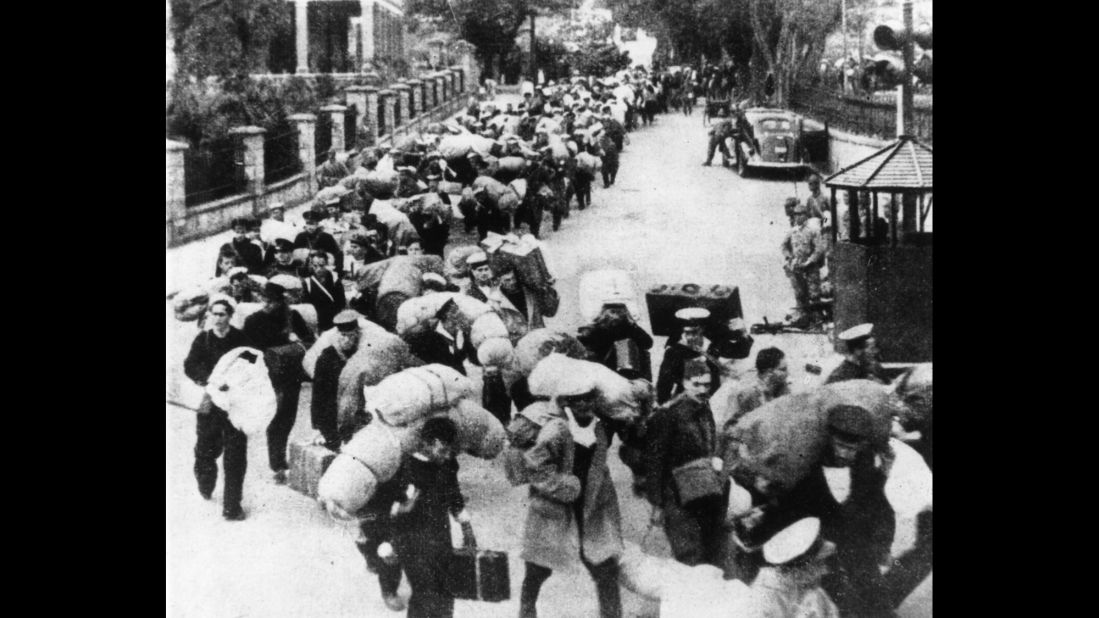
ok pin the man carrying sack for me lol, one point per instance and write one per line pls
(284, 337)
(685, 486)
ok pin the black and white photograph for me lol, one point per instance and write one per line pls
(548, 308)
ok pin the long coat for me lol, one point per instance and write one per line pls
(550, 534)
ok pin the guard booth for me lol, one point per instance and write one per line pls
(881, 267)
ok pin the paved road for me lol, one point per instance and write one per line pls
(667, 220)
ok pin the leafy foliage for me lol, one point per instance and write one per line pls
(226, 37)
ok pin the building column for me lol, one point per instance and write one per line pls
(301, 27)
(337, 113)
(307, 129)
(417, 106)
(175, 191)
(366, 23)
(251, 145)
(405, 93)
(389, 100)
(455, 87)
(444, 86)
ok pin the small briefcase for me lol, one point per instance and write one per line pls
(478, 574)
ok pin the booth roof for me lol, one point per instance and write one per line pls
(904, 165)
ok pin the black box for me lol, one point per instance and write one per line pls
(722, 301)
(479, 574)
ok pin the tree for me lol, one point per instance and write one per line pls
(489, 25)
(789, 39)
(226, 37)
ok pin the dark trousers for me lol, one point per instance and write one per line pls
(214, 435)
(494, 221)
(715, 143)
(278, 432)
(495, 398)
(606, 587)
(696, 532)
(610, 171)
(531, 211)
(389, 576)
(583, 189)
(424, 561)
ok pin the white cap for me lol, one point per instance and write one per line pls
(856, 332)
(477, 258)
(692, 314)
(792, 542)
(434, 278)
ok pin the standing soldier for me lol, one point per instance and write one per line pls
(332, 171)
(214, 433)
(803, 251)
(684, 482)
(722, 129)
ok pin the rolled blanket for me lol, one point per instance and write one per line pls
(411, 394)
(479, 432)
(370, 330)
(380, 354)
(190, 305)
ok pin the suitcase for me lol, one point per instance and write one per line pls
(527, 259)
(479, 575)
(664, 300)
(308, 463)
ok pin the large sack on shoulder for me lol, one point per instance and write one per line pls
(411, 394)
(487, 326)
(329, 337)
(381, 184)
(242, 312)
(456, 262)
(496, 352)
(380, 354)
(189, 305)
(784, 439)
(239, 384)
(455, 146)
(540, 343)
(308, 313)
(513, 165)
(371, 277)
(519, 185)
(479, 432)
(347, 484)
(589, 162)
(378, 447)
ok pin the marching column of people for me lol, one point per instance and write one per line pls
(685, 455)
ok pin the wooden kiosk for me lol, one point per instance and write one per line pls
(882, 252)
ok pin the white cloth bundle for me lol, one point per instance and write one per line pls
(589, 162)
(479, 432)
(601, 287)
(411, 394)
(456, 146)
(698, 591)
(242, 387)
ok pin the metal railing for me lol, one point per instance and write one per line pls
(211, 172)
(859, 116)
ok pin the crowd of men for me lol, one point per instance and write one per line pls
(705, 385)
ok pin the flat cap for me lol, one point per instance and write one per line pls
(283, 246)
(851, 422)
(692, 315)
(695, 367)
(346, 320)
(793, 542)
(476, 259)
(853, 334)
(273, 290)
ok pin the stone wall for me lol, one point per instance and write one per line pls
(186, 224)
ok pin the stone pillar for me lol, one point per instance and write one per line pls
(175, 192)
(460, 76)
(336, 114)
(455, 87)
(389, 100)
(301, 26)
(366, 22)
(405, 93)
(307, 129)
(251, 144)
(356, 95)
(435, 97)
(371, 119)
(444, 84)
(418, 106)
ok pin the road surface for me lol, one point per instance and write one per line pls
(666, 220)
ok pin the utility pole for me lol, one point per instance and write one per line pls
(907, 113)
(533, 52)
